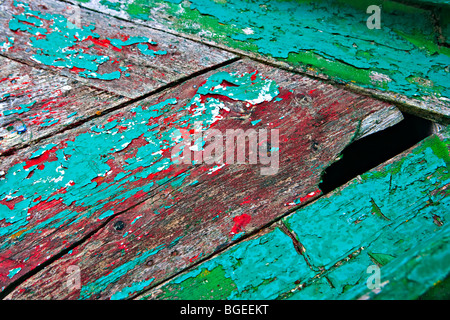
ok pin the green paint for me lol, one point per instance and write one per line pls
(260, 268)
(334, 227)
(324, 37)
(207, 285)
(414, 272)
(74, 164)
(384, 187)
(381, 259)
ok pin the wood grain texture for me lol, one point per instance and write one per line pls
(36, 103)
(105, 52)
(394, 217)
(166, 216)
(326, 39)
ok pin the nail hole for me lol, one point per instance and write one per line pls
(119, 225)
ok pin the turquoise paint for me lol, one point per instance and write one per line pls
(135, 287)
(260, 268)
(144, 49)
(106, 214)
(136, 219)
(22, 109)
(84, 158)
(39, 152)
(339, 34)
(119, 43)
(413, 272)
(255, 92)
(49, 122)
(72, 114)
(318, 290)
(105, 76)
(397, 241)
(56, 48)
(327, 230)
(102, 283)
(237, 236)
(13, 272)
(174, 242)
(254, 122)
(328, 233)
(6, 45)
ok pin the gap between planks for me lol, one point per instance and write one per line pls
(10, 288)
(122, 105)
(405, 104)
(16, 283)
(277, 222)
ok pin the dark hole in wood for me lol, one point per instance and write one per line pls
(119, 225)
(371, 151)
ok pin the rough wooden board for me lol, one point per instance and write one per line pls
(395, 217)
(327, 39)
(183, 213)
(105, 52)
(420, 270)
(36, 103)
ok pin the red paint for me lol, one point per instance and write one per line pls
(194, 258)
(39, 160)
(11, 203)
(253, 76)
(216, 96)
(77, 70)
(120, 115)
(139, 194)
(284, 94)
(102, 43)
(246, 200)
(44, 205)
(225, 84)
(240, 222)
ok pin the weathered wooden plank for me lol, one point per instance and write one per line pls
(179, 212)
(36, 103)
(421, 269)
(105, 52)
(326, 38)
(394, 217)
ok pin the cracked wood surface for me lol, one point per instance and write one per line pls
(101, 192)
(105, 52)
(160, 216)
(394, 216)
(36, 103)
(326, 39)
